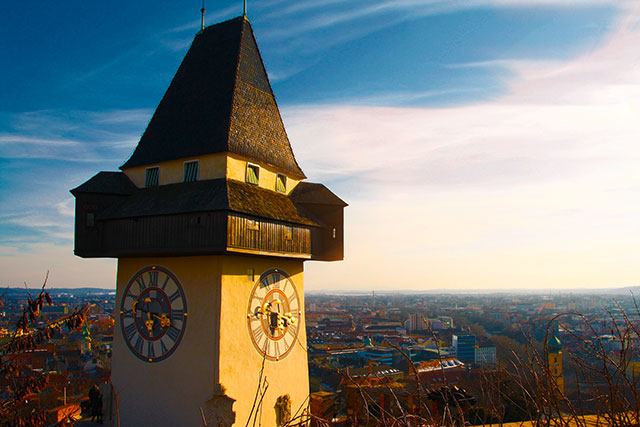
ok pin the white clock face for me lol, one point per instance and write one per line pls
(153, 314)
(273, 315)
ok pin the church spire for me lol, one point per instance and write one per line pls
(554, 349)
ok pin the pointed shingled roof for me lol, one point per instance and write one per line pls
(220, 100)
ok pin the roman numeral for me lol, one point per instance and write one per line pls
(276, 280)
(258, 333)
(292, 300)
(166, 280)
(150, 350)
(173, 333)
(265, 282)
(138, 345)
(127, 314)
(153, 278)
(163, 348)
(129, 330)
(140, 282)
(276, 348)
(174, 296)
(177, 314)
(291, 330)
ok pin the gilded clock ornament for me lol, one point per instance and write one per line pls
(273, 315)
(153, 314)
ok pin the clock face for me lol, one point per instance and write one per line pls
(273, 315)
(153, 314)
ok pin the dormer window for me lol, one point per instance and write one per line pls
(191, 171)
(281, 183)
(253, 174)
(152, 176)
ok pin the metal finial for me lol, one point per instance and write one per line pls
(202, 21)
(244, 8)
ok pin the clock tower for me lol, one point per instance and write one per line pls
(211, 220)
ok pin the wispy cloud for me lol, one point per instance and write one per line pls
(401, 10)
(19, 139)
(512, 192)
(80, 136)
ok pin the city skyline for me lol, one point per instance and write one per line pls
(484, 144)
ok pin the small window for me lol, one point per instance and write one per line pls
(252, 224)
(287, 233)
(151, 176)
(191, 171)
(91, 219)
(253, 173)
(334, 232)
(281, 183)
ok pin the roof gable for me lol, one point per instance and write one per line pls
(106, 183)
(207, 196)
(220, 100)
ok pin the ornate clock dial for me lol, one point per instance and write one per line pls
(273, 314)
(153, 314)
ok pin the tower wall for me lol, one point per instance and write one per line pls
(555, 367)
(216, 349)
(171, 392)
(240, 362)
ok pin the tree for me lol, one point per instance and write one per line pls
(17, 408)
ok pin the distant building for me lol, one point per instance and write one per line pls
(464, 347)
(486, 355)
(385, 328)
(435, 324)
(447, 321)
(554, 347)
(442, 372)
(415, 322)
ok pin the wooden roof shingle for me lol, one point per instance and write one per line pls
(207, 196)
(220, 100)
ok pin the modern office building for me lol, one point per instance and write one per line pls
(464, 347)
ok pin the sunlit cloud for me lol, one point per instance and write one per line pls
(534, 189)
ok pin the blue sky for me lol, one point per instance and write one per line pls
(489, 143)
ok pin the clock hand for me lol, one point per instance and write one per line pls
(149, 323)
(164, 320)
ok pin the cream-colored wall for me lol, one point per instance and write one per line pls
(240, 362)
(212, 166)
(216, 348)
(171, 392)
(237, 170)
